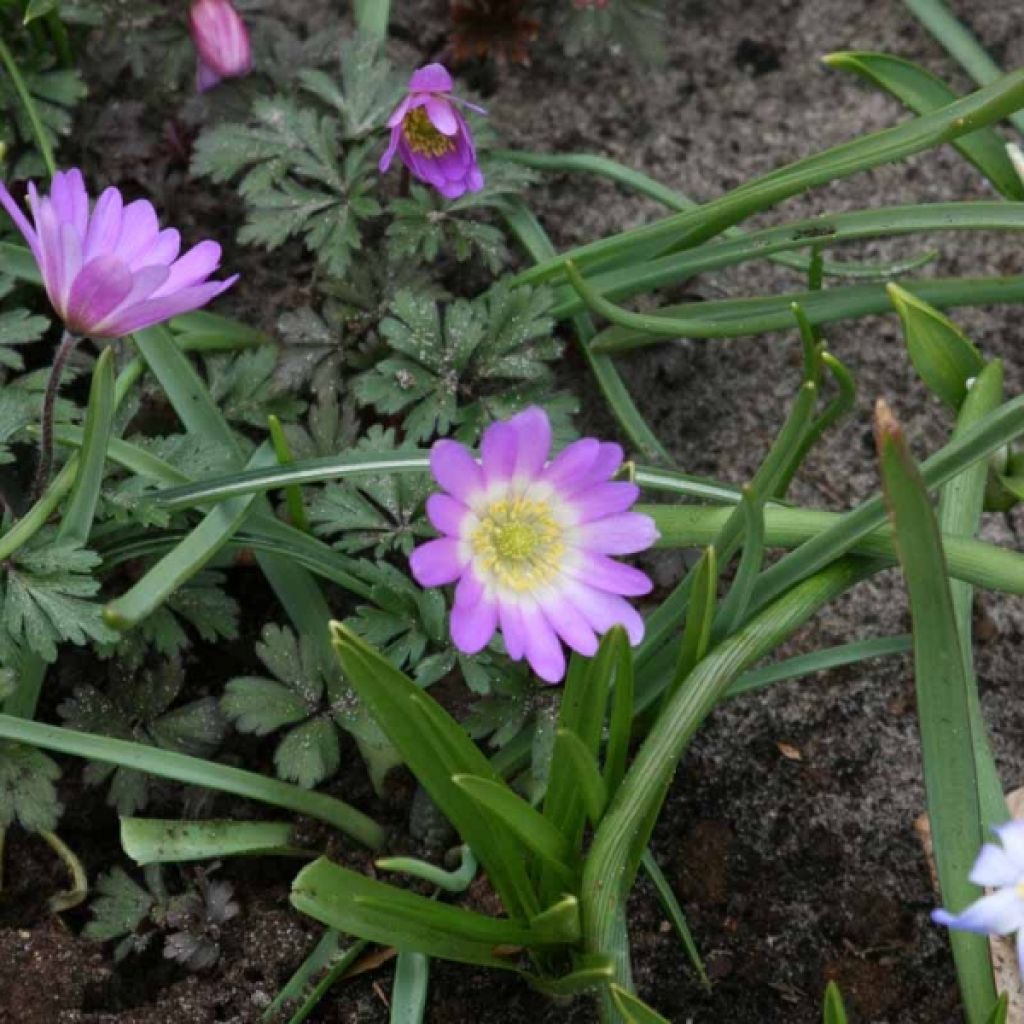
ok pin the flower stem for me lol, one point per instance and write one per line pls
(68, 344)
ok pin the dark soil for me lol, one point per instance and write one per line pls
(793, 870)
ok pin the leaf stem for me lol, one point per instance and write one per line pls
(21, 88)
(68, 344)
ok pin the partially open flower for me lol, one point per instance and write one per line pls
(1000, 868)
(111, 271)
(529, 542)
(221, 40)
(431, 137)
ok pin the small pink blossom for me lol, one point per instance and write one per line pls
(529, 541)
(221, 40)
(110, 270)
(431, 137)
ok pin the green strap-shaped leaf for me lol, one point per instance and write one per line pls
(574, 759)
(941, 353)
(924, 92)
(833, 1011)
(620, 721)
(154, 841)
(435, 747)
(409, 990)
(351, 902)
(633, 1011)
(76, 522)
(947, 748)
(533, 830)
(700, 614)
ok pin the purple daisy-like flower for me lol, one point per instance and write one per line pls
(431, 137)
(221, 40)
(529, 542)
(111, 271)
(1000, 868)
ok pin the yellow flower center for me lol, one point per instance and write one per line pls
(422, 136)
(518, 542)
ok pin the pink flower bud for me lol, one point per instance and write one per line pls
(221, 40)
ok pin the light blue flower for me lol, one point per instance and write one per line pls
(1000, 868)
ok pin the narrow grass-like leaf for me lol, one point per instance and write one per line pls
(734, 318)
(323, 953)
(76, 522)
(620, 721)
(947, 749)
(435, 747)
(293, 495)
(622, 836)
(700, 615)
(409, 989)
(535, 240)
(670, 905)
(589, 974)
(941, 353)
(959, 515)
(337, 970)
(39, 134)
(451, 881)
(195, 771)
(154, 841)
(833, 1011)
(974, 561)
(534, 831)
(645, 185)
(560, 923)
(575, 759)
(690, 228)
(633, 1011)
(924, 92)
(737, 600)
(1001, 1011)
(820, 661)
(181, 564)
(362, 906)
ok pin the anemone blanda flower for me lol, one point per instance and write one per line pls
(111, 270)
(1000, 868)
(431, 137)
(529, 540)
(221, 40)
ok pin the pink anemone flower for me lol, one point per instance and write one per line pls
(221, 40)
(111, 271)
(431, 137)
(529, 541)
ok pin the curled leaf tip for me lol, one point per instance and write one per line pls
(887, 427)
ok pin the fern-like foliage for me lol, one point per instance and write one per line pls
(305, 165)
(383, 512)
(140, 707)
(27, 792)
(46, 592)
(458, 369)
(190, 920)
(635, 28)
(308, 702)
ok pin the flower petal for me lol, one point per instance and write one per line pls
(543, 651)
(470, 588)
(512, 629)
(431, 78)
(20, 220)
(70, 199)
(155, 311)
(99, 288)
(1011, 835)
(191, 269)
(456, 470)
(139, 228)
(437, 562)
(603, 610)
(446, 513)
(569, 623)
(995, 868)
(104, 226)
(571, 462)
(498, 452)
(533, 433)
(999, 913)
(603, 500)
(605, 573)
(389, 154)
(473, 625)
(442, 115)
(622, 534)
